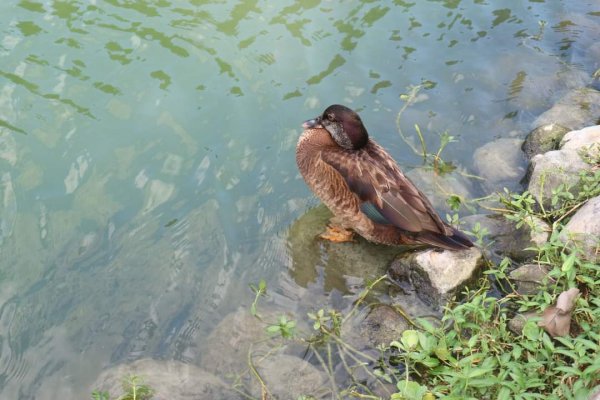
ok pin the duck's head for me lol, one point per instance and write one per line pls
(344, 126)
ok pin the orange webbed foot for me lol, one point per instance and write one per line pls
(337, 234)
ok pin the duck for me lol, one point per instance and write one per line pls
(364, 187)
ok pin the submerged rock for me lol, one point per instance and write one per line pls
(226, 348)
(438, 188)
(336, 264)
(169, 380)
(578, 108)
(500, 163)
(436, 276)
(584, 229)
(530, 278)
(506, 240)
(288, 377)
(543, 138)
(374, 326)
(562, 167)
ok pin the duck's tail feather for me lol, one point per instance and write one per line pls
(456, 241)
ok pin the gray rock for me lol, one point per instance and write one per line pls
(374, 326)
(530, 278)
(500, 163)
(288, 377)
(505, 239)
(578, 108)
(517, 323)
(226, 348)
(170, 380)
(552, 169)
(436, 275)
(438, 188)
(584, 229)
(587, 138)
(543, 138)
(562, 167)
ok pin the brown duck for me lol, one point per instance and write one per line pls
(364, 187)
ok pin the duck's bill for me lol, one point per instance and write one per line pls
(312, 123)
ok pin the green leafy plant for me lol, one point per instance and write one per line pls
(284, 327)
(260, 290)
(134, 388)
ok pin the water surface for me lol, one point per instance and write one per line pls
(147, 169)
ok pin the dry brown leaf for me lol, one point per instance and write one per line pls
(556, 320)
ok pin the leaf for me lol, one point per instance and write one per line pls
(410, 339)
(411, 390)
(556, 320)
(569, 262)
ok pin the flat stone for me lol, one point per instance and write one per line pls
(505, 239)
(577, 109)
(169, 380)
(543, 138)
(530, 278)
(436, 275)
(336, 264)
(288, 377)
(584, 229)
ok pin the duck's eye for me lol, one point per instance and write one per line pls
(331, 117)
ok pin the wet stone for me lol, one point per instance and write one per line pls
(336, 264)
(226, 348)
(543, 138)
(505, 239)
(374, 326)
(436, 276)
(170, 380)
(530, 278)
(500, 163)
(288, 377)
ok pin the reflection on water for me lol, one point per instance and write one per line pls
(146, 151)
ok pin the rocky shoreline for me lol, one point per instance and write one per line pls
(239, 354)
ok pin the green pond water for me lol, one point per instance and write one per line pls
(147, 171)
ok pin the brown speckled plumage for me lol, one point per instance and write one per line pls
(364, 187)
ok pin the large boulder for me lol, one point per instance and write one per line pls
(436, 276)
(550, 170)
(584, 229)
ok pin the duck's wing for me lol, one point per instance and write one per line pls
(387, 195)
